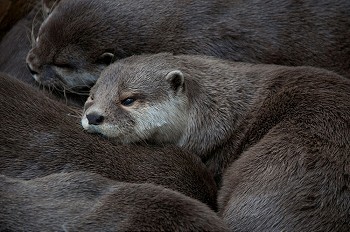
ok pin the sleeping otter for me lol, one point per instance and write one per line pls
(40, 136)
(83, 201)
(280, 135)
(79, 38)
(16, 44)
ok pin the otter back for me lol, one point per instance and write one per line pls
(83, 201)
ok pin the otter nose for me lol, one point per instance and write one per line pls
(31, 70)
(94, 119)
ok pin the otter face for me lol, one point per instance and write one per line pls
(133, 107)
(64, 68)
(68, 53)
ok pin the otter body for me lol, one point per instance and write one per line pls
(83, 201)
(80, 38)
(40, 136)
(278, 137)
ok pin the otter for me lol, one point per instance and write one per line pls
(84, 201)
(80, 38)
(15, 46)
(40, 136)
(276, 138)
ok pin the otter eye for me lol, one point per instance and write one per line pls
(128, 101)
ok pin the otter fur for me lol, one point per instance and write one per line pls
(15, 46)
(11, 11)
(84, 201)
(276, 138)
(40, 136)
(80, 38)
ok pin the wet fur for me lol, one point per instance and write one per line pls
(40, 136)
(83, 201)
(276, 138)
(78, 33)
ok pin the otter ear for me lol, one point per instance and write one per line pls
(176, 79)
(106, 58)
(49, 5)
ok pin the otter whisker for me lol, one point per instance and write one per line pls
(65, 88)
(84, 84)
(34, 26)
(65, 95)
(53, 6)
(82, 93)
(141, 142)
(74, 116)
(72, 89)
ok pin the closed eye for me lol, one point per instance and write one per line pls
(64, 66)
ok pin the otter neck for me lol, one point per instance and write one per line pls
(216, 111)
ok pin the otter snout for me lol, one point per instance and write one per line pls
(33, 65)
(32, 62)
(31, 70)
(95, 118)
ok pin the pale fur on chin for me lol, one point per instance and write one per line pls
(85, 123)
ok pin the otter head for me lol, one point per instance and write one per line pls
(135, 102)
(73, 45)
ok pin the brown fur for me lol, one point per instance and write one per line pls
(11, 11)
(15, 46)
(82, 201)
(40, 136)
(280, 135)
(81, 37)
